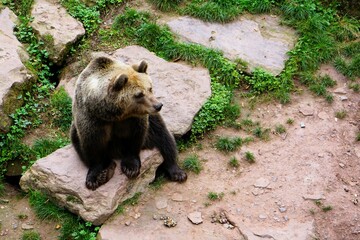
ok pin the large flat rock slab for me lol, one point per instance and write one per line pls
(14, 77)
(181, 88)
(257, 39)
(56, 27)
(62, 176)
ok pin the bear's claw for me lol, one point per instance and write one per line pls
(94, 181)
(178, 175)
(131, 168)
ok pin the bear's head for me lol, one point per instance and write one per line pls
(121, 89)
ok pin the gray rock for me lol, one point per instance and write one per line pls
(56, 27)
(182, 89)
(14, 77)
(313, 197)
(62, 176)
(195, 217)
(259, 39)
(282, 209)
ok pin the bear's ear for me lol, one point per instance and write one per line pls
(141, 68)
(120, 82)
(102, 62)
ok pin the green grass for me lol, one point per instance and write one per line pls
(30, 235)
(227, 144)
(261, 133)
(233, 162)
(192, 163)
(249, 157)
(327, 208)
(341, 114)
(128, 202)
(73, 227)
(157, 183)
(279, 128)
(44, 146)
(213, 196)
(166, 5)
(290, 121)
(61, 105)
(357, 138)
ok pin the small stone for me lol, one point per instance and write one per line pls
(15, 225)
(306, 110)
(302, 125)
(282, 209)
(177, 197)
(341, 90)
(346, 189)
(4, 200)
(154, 217)
(127, 223)
(321, 155)
(137, 215)
(286, 218)
(343, 98)
(314, 197)
(26, 226)
(195, 217)
(323, 115)
(58, 226)
(262, 183)
(228, 226)
(342, 165)
(262, 216)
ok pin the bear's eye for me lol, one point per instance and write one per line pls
(139, 95)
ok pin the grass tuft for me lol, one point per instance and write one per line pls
(227, 144)
(192, 163)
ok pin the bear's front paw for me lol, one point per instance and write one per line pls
(176, 174)
(131, 168)
(95, 180)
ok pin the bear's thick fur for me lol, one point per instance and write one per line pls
(115, 115)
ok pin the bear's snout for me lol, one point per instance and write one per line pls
(158, 107)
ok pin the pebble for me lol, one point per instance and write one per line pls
(341, 90)
(302, 125)
(262, 216)
(161, 203)
(314, 197)
(26, 226)
(195, 217)
(154, 217)
(343, 98)
(341, 165)
(282, 209)
(127, 223)
(177, 197)
(15, 225)
(286, 218)
(169, 222)
(262, 183)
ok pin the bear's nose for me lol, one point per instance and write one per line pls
(158, 106)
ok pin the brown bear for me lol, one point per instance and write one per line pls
(115, 115)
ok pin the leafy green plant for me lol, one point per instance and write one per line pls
(249, 157)
(327, 208)
(192, 163)
(227, 144)
(213, 196)
(261, 81)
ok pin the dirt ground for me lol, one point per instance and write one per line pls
(296, 177)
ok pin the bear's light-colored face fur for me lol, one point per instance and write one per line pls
(113, 84)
